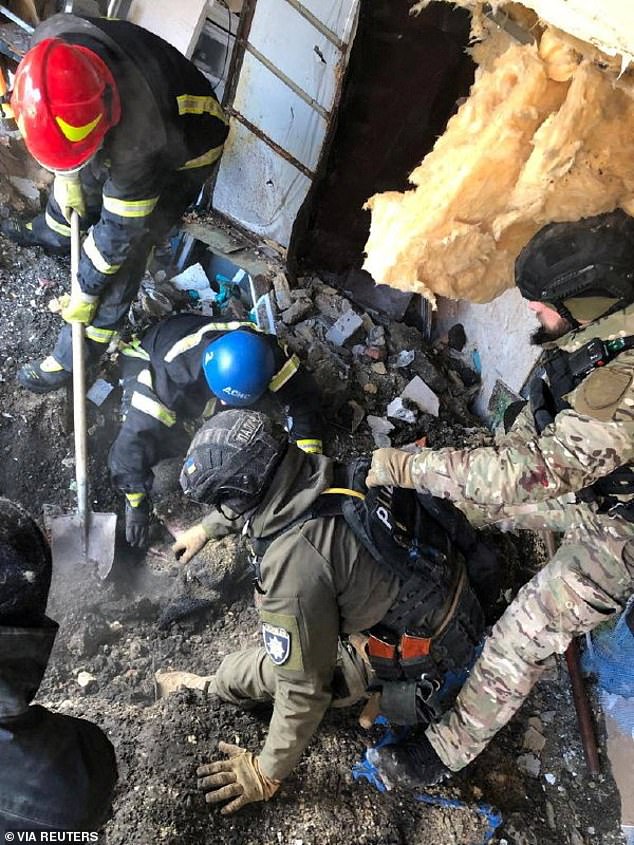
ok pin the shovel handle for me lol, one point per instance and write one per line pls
(79, 389)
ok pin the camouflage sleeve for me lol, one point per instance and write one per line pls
(570, 454)
(300, 627)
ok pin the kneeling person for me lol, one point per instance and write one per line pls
(186, 362)
(335, 621)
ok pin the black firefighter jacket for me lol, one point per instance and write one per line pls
(56, 772)
(172, 389)
(171, 127)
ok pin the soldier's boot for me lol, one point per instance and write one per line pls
(411, 764)
(43, 376)
(23, 235)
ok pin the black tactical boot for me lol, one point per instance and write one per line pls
(412, 764)
(43, 376)
(23, 235)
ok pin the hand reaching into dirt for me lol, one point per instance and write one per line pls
(239, 778)
(190, 543)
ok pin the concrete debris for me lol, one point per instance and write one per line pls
(533, 740)
(330, 303)
(300, 308)
(529, 764)
(380, 428)
(282, 292)
(379, 368)
(344, 329)
(422, 396)
(170, 682)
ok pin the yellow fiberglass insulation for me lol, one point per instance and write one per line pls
(545, 135)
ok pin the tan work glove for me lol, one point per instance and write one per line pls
(69, 195)
(390, 468)
(239, 777)
(189, 543)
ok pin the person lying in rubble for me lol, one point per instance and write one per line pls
(565, 465)
(57, 772)
(132, 130)
(184, 366)
(332, 614)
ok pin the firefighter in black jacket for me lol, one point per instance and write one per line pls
(187, 360)
(57, 772)
(131, 130)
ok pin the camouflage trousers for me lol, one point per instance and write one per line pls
(589, 578)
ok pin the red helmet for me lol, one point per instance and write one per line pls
(64, 100)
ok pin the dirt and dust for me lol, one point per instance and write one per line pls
(117, 634)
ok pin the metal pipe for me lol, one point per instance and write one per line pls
(579, 696)
(582, 707)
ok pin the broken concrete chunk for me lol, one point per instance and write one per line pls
(379, 368)
(169, 682)
(282, 292)
(529, 764)
(330, 303)
(533, 740)
(379, 424)
(421, 395)
(346, 326)
(297, 311)
(398, 411)
(380, 428)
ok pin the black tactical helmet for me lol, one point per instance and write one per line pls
(585, 269)
(25, 567)
(232, 459)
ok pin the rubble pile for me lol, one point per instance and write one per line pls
(374, 372)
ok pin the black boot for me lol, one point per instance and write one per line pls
(43, 376)
(412, 764)
(23, 235)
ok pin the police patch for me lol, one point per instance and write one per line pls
(277, 643)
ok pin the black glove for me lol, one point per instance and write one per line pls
(411, 764)
(137, 523)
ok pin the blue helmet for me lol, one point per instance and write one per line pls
(238, 367)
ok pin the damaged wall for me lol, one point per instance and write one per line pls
(546, 134)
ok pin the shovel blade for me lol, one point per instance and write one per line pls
(66, 542)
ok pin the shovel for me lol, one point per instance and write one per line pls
(84, 537)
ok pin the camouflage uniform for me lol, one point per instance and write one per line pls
(529, 481)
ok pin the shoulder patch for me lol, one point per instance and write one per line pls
(282, 643)
(277, 643)
(601, 393)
